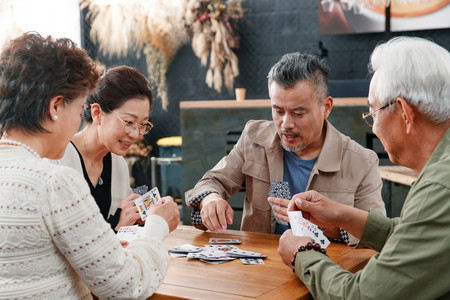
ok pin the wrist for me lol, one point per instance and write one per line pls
(208, 199)
(309, 246)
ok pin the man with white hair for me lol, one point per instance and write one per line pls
(409, 104)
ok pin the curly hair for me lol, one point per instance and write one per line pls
(33, 70)
(115, 87)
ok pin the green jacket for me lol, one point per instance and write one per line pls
(414, 258)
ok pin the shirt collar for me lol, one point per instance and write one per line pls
(330, 156)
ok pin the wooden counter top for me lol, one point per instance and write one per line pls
(261, 103)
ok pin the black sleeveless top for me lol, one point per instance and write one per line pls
(102, 192)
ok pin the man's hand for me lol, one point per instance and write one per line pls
(289, 244)
(129, 214)
(317, 208)
(168, 210)
(216, 213)
(328, 214)
(280, 208)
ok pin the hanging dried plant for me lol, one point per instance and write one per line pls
(212, 28)
(160, 27)
(152, 26)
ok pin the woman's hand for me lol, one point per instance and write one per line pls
(129, 214)
(168, 210)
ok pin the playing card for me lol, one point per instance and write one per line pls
(279, 189)
(220, 247)
(223, 241)
(210, 255)
(214, 262)
(302, 227)
(175, 254)
(144, 202)
(141, 190)
(295, 219)
(128, 233)
(252, 261)
(186, 248)
(244, 254)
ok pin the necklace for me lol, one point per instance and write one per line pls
(16, 143)
(100, 180)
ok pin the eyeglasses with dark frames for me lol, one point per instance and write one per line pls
(131, 126)
(368, 116)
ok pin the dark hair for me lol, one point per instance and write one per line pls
(294, 67)
(117, 86)
(33, 70)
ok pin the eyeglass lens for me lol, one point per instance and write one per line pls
(143, 129)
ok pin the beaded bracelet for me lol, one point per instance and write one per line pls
(308, 246)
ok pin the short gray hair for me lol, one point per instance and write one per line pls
(417, 70)
(295, 67)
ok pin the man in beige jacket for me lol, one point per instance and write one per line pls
(299, 147)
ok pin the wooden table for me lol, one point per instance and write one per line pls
(193, 279)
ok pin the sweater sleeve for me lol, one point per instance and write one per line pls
(93, 250)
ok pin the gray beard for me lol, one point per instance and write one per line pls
(289, 149)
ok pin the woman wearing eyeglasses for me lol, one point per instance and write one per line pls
(117, 116)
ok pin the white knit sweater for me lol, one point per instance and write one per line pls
(55, 244)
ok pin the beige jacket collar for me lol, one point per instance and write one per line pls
(330, 157)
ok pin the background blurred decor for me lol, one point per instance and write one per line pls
(212, 27)
(357, 16)
(153, 26)
(159, 28)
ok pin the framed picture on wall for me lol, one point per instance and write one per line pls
(420, 15)
(350, 16)
(363, 16)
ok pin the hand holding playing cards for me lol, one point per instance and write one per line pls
(216, 213)
(280, 208)
(129, 214)
(326, 213)
(168, 210)
(289, 244)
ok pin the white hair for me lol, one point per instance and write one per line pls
(417, 70)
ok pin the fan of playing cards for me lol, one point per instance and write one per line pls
(222, 251)
(144, 202)
(302, 227)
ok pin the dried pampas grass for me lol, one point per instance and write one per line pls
(152, 26)
(159, 28)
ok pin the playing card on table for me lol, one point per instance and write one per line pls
(186, 248)
(220, 247)
(279, 189)
(223, 241)
(214, 262)
(212, 255)
(302, 227)
(245, 254)
(252, 261)
(144, 202)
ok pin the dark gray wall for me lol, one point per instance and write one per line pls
(270, 29)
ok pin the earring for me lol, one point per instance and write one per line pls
(55, 117)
